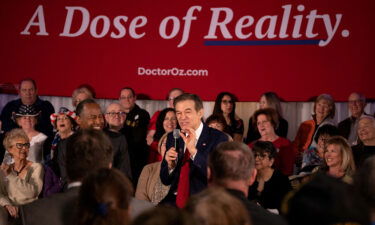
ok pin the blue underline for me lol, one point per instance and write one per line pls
(257, 42)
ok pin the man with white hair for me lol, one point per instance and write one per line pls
(366, 133)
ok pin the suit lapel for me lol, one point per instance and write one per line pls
(202, 141)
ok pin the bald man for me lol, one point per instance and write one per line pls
(115, 116)
(348, 127)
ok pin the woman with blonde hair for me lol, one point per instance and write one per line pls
(82, 92)
(338, 159)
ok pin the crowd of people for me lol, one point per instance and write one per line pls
(118, 165)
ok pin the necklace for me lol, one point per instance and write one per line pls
(19, 171)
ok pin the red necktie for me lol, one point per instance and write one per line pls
(183, 188)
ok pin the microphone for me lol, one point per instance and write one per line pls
(176, 135)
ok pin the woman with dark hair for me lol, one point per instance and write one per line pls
(270, 186)
(104, 198)
(216, 121)
(225, 105)
(268, 100)
(172, 94)
(266, 121)
(324, 112)
(165, 123)
(64, 122)
(315, 156)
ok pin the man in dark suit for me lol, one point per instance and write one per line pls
(135, 131)
(87, 150)
(232, 166)
(185, 164)
(348, 127)
(90, 116)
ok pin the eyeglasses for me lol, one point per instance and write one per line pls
(126, 97)
(227, 101)
(260, 156)
(22, 145)
(352, 102)
(113, 114)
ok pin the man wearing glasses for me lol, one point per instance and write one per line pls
(115, 116)
(135, 130)
(348, 127)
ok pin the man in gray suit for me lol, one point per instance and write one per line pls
(87, 150)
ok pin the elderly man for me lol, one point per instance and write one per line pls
(185, 164)
(366, 133)
(135, 130)
(348, 127)
(232, 166)
(115, 116)
(90, 116)
(28, 93)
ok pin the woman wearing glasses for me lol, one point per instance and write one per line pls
(271, 185)
(266, 121)
(225, 105)
(20, 182)
(268, 100)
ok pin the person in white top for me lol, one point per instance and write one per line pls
(26, 118)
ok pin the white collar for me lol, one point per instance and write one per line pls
(198, 131)
(74, 184)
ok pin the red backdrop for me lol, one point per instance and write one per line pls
(265, 54)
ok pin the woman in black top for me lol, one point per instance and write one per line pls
(225, 105)
(270, 186)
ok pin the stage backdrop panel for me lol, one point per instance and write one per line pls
(298, 49)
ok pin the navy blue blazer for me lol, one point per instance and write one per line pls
(207, 142)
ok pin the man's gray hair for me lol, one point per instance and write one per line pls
(231, 161)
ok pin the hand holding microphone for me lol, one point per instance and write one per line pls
(172, 154)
